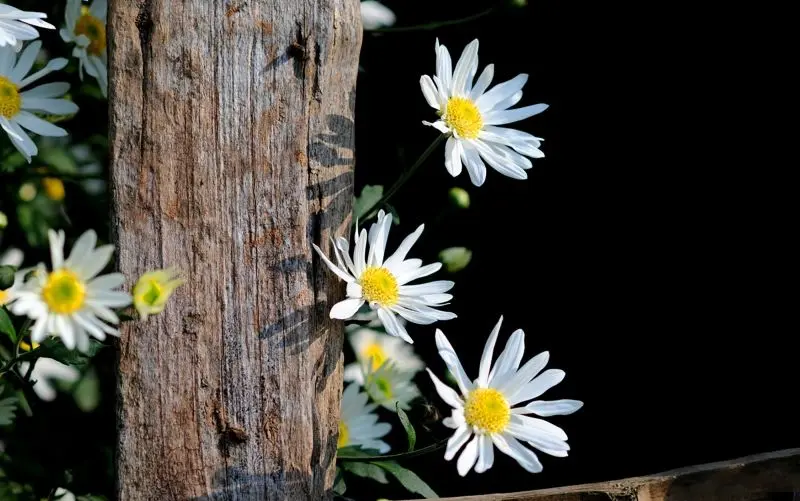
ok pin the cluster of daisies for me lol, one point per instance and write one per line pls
(498, 408)
(73, 301)
(22, 104)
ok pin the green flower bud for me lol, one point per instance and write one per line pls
(459, 197)
(6, 277)
(518, 3)
(3, 220)
(455, 258)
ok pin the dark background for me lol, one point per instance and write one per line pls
(647, 251)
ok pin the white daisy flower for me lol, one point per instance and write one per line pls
(388, 386)
(383, 283)
(470, 115)
(86, 28)
(11, 257)
(71, 301)
(64, 495)
(14, 26)
(45, 371)
(358, 426)
(16, 105)
(373, 348)
(487, 410)
(376, 15)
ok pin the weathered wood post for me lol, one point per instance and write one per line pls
(231, 130)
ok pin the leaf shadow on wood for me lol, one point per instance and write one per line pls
(325, 149)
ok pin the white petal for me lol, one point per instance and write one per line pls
(447, 394)
(485, 454)
(25, 61)
(39, 126)
(360, 255)
(64, 330)
(467, 459)
(554, 407)
(48, 90)
(56, 248)
(393, 326)
(424, 271)
(483, 82)
(339, 272)
(549, 445)
(428, 288)
(430, 92)
(405, 246)
(444, 67)
(524, 375)
(475, 167)
(457, 441)
(452, 156)
(354, 290)
(344, 310)
(48, 105)
(499, 92)
(525, 457)
(51, 66)
(450, 358)
(515, 115)
(509, 359)
(488, 353)
(539, 425)
(466, 65)
(438, 125)
(541, 384)
(497, 159)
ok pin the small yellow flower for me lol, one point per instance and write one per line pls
(153, 290)
(53, 188)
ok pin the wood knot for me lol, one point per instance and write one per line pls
(235, 435)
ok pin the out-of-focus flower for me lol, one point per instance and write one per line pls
(86, 28)
(485, 413)
(455, 258)
(383, 283)
(44, 372)
(27, 192)
(16, 105)
(71, 301)
(64, 495)
(388, 386)
(373, 349)
(358, 425)
(16, 26)
(469, 116)
(375, 15)
(53, 188)
(153, 290)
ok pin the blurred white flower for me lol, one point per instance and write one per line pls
(14, 26)
(373, 348)
(86, 27)
(64, 495)
(358, 425)
(486, 411)
(469, 117)
(382, 284)
(16, 105)
(376, 15)
(45, 371)
(71, 301)
(388, 386)
(11, 257)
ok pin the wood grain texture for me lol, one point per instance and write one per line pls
(764, 477)
(231, 131)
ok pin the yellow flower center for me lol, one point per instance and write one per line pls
(344, 435)
(95, 31)
(378, 285)
(10, 100)
(462, 116)
(3, 296)
(64, 292)
(375, 355)
(53, 188)
(487, 410)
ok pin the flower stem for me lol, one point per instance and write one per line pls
(392, 457)
(403, 178)
(434, 25)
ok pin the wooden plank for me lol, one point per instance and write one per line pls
(762, 477)
(231, 132)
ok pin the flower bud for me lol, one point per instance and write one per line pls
(459, 197)
(455, 258)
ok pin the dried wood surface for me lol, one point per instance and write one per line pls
(231, 131)
(773, 476)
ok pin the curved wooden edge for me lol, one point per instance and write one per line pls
(773, 476)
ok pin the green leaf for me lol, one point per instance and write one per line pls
(87, 392)
(60, 160)
(370, 195)
(8, 409)
(367, 470)
(53, 348)
(409, 479)
(353, 451)
(6, 327)
(339, 487)
(410, 432)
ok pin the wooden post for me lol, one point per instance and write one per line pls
(231, 131)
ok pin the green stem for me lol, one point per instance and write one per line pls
(403, 178)
(434, 25)
(392, 457)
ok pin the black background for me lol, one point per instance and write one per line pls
(648, 251)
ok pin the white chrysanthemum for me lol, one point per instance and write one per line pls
(382, 283)
(375, 15)
(470, 115)
(487, 410)
(358, 426)
(14, 26)
(64, 495)
(373, 348)
(86, 28)
(16, 105)
(11, 257)
(71, 301)
(45, 371)
(388, 386)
